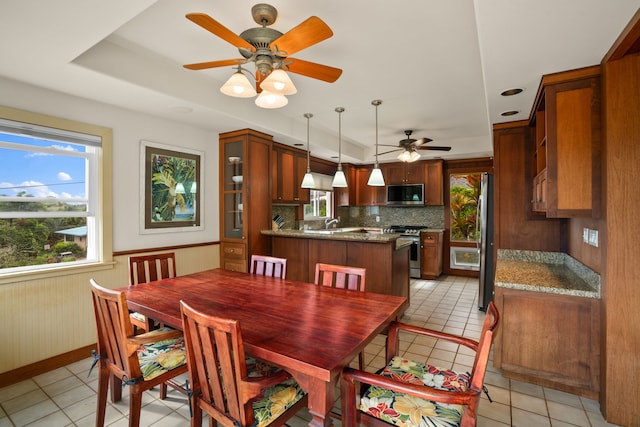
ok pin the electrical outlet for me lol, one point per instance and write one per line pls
(377, 218)
(593, 238)
(585, 235)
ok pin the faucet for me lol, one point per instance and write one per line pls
(329, 221)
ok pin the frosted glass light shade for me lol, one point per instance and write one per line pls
(405, 156)
(339, 180)
(414, 156)
(279, 82)
(376, 179)
(238, 86)
(308, 181)
(268, 99)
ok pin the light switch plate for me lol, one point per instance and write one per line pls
(585, 235)
(593, 238)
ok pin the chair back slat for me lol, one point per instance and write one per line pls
(215, 353)
(148, 268)
(342, 277)
(268, 266)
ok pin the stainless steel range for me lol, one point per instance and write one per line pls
(411, 232)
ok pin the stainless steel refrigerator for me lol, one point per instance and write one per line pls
(484, 238)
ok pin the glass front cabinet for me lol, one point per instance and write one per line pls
(245, 197)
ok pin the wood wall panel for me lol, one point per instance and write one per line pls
(621, 364)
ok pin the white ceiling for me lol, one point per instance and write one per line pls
(438, 65)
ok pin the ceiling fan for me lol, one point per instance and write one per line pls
(409, 147)
(268, 48)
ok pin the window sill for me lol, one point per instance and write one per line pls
(22, 276)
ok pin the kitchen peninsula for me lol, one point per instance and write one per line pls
(384, 255)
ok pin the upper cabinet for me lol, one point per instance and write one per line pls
(287, 170)
(404, 173)
(566, 145)
(367, 195)
(433, 183)
(245, 198)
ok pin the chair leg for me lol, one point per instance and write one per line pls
(163, 391)
(361, 361)
(103, 388)
(135, 406)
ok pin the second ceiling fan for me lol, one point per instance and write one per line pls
(409, 147)
(268, 48)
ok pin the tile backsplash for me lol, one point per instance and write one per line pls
(365, 216)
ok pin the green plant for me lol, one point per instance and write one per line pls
(464, 205)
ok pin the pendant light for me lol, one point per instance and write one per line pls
(308, 181)
(376, 179)
(339, 180)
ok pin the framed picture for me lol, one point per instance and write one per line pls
(170, 188)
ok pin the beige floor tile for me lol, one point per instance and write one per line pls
(521, 418)
(567, 413)
(529, 403)
(563, 397)
(527, 388)
(33, 413)
(495, 411)
(24, 401)
(17, 389)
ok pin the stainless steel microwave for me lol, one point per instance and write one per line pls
(405, 194)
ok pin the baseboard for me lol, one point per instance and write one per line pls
(34, 369)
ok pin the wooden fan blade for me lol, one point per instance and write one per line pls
(433, 147)
(389, 145)
(213, 64)
(313, 70)
(306, 34)
(387, 152)
(421, 141)
(214, 27)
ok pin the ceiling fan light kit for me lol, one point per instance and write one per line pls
(376, 179)
(269, 50)
(307, 180)
(238, 86)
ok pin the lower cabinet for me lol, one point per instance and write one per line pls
(549, 339)
(431, 254)
(234, 256)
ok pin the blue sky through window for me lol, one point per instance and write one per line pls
(41, 174)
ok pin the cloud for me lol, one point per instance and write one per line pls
(63, 176)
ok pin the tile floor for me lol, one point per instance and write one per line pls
(66, 396)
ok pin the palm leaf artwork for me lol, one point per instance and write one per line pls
(166, 173)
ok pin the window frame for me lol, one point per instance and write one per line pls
(330, 201)
(101, 190)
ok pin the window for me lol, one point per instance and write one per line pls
(51, 203)
(465, 191)
(320, 206)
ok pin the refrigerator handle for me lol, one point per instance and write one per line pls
(478, 212)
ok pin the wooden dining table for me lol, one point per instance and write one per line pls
(311, 331)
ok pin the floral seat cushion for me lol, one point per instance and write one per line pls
(161, 356)
(275, 401)
(409, 411)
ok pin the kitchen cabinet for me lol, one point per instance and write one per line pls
(433, 183)
(287, 170)
(347, 196)
(404, 173)
(431, 254)
(245, 196)
(550, 340)
(367, 195)
(566, 152)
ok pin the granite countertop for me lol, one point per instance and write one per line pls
(339, 234)
(550, 272)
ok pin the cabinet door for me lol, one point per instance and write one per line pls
(431, 247)
(396, 173)
(301, 195)
(414, 173)
(433, 187)
(367, 195)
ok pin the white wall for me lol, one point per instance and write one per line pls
(129, 128)
(49, 316)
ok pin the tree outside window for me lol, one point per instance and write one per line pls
(465, 192)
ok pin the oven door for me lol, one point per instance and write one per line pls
(414, 256)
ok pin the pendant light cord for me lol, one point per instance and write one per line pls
(339, 110)
(308, 116)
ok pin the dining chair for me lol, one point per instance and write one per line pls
(268, 266)
(147, 268)
(342, 277)
(232, 389)
(409, 393)
(138, 361)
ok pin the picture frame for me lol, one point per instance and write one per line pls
(170, 188)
